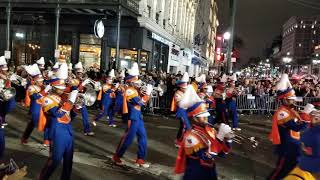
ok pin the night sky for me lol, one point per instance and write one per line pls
(259, 21)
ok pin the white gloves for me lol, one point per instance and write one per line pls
(47, 88)
(149, 89)
(85, 82)
(13, 77)
(223, 131)
(73, 96)
(24, 82)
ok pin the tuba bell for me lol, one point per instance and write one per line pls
(88, 98)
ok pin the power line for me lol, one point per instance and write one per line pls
(305, 5)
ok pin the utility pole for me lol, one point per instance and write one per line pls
(233, 7)
(118, 63)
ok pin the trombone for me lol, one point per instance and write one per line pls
(240, 138)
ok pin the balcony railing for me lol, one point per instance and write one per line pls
(129, 4)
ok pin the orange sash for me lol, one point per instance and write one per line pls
(99, 95)
(125, 104)
(27, 100)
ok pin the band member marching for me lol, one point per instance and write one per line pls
(181, 113)
(231, 95)
(132, 102)
(221, 107)
(78, 84)
(107, 97)
(61, 133)
(120, 90)
(34, 95)
(201, 144)
(308, 167)
(6, 105)
(286, 127)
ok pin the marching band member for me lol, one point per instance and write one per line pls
(231, 95)
(5, 106)
(181, 113)
(107, 97)
(61, 133)
(221, 107)
(201, 144)
(210, 102)
(132, 102)
(119, 96)
(78, 84)
(34, 95)
(308, 167)
(286, 127)
(202, 85)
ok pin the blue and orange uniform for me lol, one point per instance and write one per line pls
(34, 95)
(285, 136)
(118, 108)
(201, 144)
(132, 104)
(221, 107)
(231, 95)
(61, 136)
(76, 84)
(5, 108)
(309, 161)
(181, 114)
(107, 97)
(196, 156)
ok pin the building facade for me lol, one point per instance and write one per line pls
(158, 34)
(206, 31)
(300, 35)
(171, 26)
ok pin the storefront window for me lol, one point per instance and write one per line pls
(90, 51)
(144, 60)
(127, 57)
(25, 47)
(66, 50)
(90, 55)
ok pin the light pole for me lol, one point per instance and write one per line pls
(233, 5)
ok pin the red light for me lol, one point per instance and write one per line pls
(218, 50)
(219, 38)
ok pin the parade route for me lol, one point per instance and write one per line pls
(94, 153)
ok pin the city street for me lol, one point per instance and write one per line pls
(92, 157)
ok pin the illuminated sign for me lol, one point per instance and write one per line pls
(99, 29)
(159, 38)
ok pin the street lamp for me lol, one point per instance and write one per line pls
(226, 35)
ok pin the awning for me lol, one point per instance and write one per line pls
(196, 61)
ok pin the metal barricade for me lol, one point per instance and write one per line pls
(267, 104)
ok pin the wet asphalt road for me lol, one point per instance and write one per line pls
(92, 154)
